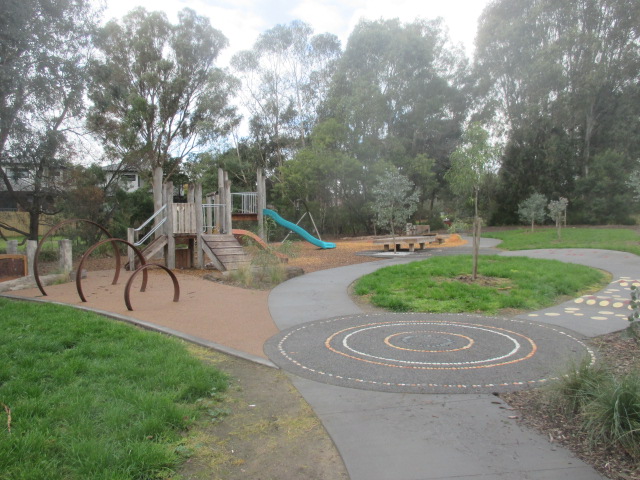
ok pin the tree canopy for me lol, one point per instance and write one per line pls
(556, 83)
(43, 56)
(156, 93)
(563, 78)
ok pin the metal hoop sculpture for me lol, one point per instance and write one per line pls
(115, 278)
(55, 228)
(176, 286)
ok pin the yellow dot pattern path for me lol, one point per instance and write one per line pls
(616, 298)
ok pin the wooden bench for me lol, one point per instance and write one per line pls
(410, 241)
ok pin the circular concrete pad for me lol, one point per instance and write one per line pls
(427, 353)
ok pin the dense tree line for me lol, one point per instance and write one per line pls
(563, 78)
(557, 84)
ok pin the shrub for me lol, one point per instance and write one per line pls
(579, 387)
(613, 416)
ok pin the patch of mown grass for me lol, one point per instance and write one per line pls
(441, 284)
(93, 398)
(620, 239)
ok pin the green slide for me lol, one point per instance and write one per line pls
(299, 230)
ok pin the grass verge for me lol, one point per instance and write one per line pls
(621, 239)
(86, 397)
(442, 284)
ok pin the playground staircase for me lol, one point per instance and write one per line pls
(151, 250)
(225, 251)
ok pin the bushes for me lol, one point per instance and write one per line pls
(613, 417)
(607, 408)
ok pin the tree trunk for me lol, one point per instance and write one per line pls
(476, 237)
(477, 226)
(34, 223)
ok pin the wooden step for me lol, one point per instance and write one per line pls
(225, 251)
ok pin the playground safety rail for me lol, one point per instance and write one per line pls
(248, 202)
(162, 210)
(212, 213)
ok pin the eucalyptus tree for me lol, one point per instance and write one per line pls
(567, 70)
(157, 95)
(327, 179)
(395, 200)
(43, 56)
(401, 91)
(558, 212)
(472, 164)
(532, 209)
(285, 76)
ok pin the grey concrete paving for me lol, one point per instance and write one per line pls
(603, 312)
(427, 353)
(400, 436)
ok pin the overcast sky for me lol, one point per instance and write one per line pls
(242, 21)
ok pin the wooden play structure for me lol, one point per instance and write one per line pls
(186, 233)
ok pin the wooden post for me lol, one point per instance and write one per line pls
(158, 199)
(131, 238)
(170, 249)
(32, 246)
(228, 227)
(65, 259)
(221, 200)
(262, 201)
(199, 226)
(209, 213)
(12, 247)
(191, 193)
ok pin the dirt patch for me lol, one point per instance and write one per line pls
(261, 429)
(348, 251)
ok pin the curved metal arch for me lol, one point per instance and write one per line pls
(53, 229)
(115, 278)
(176, 286)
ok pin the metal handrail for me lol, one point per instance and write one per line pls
(151, 232)
(158, 212)
(154, 229)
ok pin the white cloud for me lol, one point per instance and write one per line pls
(243, 20)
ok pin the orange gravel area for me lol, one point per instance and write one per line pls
(311, 258)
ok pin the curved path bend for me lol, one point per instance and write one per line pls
(389, 433)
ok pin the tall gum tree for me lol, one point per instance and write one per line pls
(156, 94)
(284, 79)
(44, 49)
(401, 91)
(564, 78)
(472, 163)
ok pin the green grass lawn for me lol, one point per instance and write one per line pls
(621, 239)
(91, 398)
(519, 283)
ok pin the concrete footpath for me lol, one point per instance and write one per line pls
(407, 436)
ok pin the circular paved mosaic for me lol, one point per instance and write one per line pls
(426, 353)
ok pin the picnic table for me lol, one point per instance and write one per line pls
(410, 241)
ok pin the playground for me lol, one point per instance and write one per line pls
(239, 321)
(224, 315)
